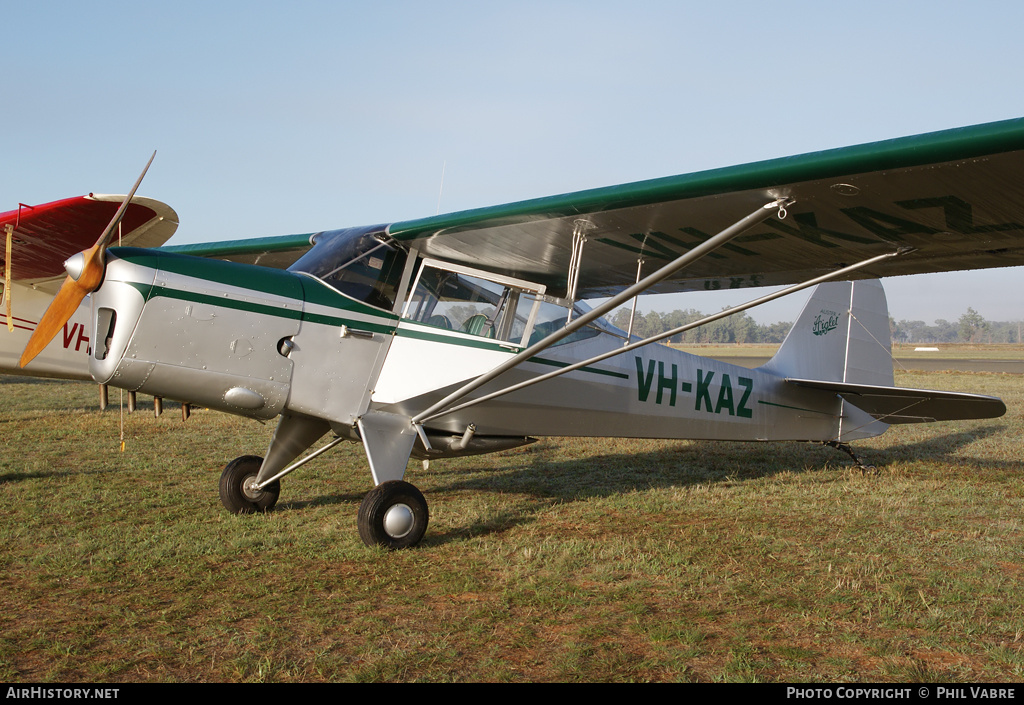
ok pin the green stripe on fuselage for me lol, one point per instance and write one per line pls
(244, 276)
(296, 313)
(594, 370)
(795, 408)
(292, 286)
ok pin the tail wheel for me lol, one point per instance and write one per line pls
(393, 515)
(237, 493)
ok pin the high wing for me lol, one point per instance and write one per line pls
(278, 252)
(956, 197)
(45, 235)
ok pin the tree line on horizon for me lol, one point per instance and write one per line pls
(737, 328)
(971, 327)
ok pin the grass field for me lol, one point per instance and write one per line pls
(947, 351)
(567, 560)
(961, 351)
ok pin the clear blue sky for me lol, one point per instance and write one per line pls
(276, 118)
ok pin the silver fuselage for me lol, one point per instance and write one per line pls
(260, 343)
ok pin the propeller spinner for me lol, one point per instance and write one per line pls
(85, 273)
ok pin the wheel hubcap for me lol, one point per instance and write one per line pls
(249, 490)
(398, 521)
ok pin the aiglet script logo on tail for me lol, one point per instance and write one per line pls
(825, 321)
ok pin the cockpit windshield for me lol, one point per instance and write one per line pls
(359, 262)
(364, 264)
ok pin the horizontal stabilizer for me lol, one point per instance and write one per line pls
(904, 405)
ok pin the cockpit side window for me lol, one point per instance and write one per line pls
(458, 302)
(552, 317)
(372, 279)
(359, 262)
(453, 299)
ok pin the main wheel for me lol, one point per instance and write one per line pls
(237, 493)
(394, 515)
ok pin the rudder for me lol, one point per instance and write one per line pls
(841, 335)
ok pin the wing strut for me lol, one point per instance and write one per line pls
(734, 230)
(9, 230)
(579, 239)
(839, 273)
(632, 310)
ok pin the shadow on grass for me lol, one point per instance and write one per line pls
(326, 500)
(50, 474)
(552, 481)
(551, 473)
(22, 476)
(939, 448)
(697, 462)
(26, 379)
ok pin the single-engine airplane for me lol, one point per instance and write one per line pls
(467, 333)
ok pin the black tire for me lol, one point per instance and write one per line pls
(234, 494)
(405, 527)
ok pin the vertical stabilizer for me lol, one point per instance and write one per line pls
(842, 335)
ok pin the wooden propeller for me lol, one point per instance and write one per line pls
(85, 273)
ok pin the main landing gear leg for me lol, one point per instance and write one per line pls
(252, 484)
(393, 514)
(845, 447)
